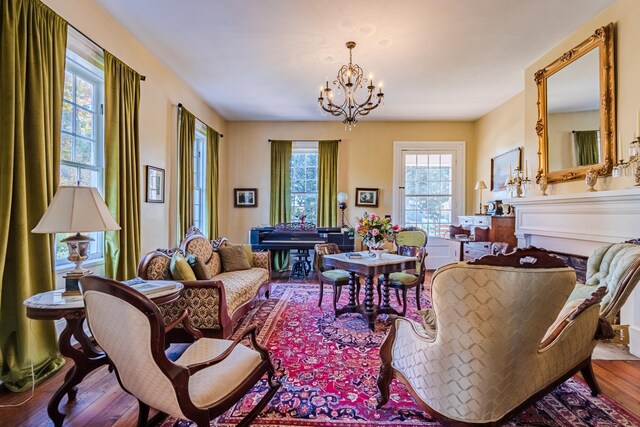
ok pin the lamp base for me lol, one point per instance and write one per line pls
(72, 282)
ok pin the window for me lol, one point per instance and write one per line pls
(199, 171)
(304, 181)
(428, 191)
(428, 185)
(81, 140)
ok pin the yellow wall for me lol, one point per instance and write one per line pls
(496, 133)
(508, 125)
(623, 14)
(366, 160)
(160, 93)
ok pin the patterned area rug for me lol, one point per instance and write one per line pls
(330, 367)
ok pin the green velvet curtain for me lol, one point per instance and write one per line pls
(328, 183)
(122, 167)
(586, 143)
(32, 60)
(186, 136)
(280, 194)
(212, 180)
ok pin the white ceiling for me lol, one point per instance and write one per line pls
(439, 60)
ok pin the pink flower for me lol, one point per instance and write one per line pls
(358, 227)
(396, 227)
(375, 232)
(372, 216)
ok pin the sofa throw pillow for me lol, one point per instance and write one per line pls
(180, 268)
(248, 253)
(233, 258)
(199, 268)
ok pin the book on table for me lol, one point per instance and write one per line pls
(353, 255)
(148, 288)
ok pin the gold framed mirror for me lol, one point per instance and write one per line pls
(576, 124)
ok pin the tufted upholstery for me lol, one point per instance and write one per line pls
(616, 267)
(214, 305)
(482, 356)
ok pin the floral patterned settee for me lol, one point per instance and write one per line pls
(216, 305)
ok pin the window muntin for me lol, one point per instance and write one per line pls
(304, 183)
(199, 171)
(81, 140)
(428, 195)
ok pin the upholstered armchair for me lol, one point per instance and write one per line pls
(616, 268)
(203, 383)
(496, 340)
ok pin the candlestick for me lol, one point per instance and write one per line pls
(510, 171)
(619, 143)
(526, 163)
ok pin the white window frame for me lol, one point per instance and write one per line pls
(200, 172)
(304, 147)
(88, 71)
(458, 148)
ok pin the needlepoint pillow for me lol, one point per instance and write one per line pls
(233, 258)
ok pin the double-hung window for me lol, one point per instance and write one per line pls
(82, 134)
(199, 172)
(304, 180)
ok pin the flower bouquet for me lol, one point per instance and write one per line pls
(375, 231)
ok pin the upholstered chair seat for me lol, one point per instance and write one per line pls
(499, 335)
(336, 278)
(616, 268)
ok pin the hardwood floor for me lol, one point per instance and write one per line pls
(101, 401)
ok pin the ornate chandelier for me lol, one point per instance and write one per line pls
(349, 79)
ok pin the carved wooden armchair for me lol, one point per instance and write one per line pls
(209, 377)
(501, 338)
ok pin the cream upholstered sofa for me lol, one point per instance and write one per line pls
(497, 339)
(615, 267)
(216, 305)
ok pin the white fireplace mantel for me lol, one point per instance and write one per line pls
(578, 223)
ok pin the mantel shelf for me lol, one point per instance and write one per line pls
(572, 198)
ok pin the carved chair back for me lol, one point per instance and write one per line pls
(129, 328)
(322, 249)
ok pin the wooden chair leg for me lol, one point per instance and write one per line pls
(337, 290)
(590, 379)
(143, 413)
(358, 293)
(398, 295)
(404, 300)
(418, 292)
(321, 292)
(379, 287)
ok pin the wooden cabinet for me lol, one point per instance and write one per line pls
(501, 229)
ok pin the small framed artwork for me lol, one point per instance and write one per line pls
(245, 197)
(367, 197)
(155, 185)
(502, 165)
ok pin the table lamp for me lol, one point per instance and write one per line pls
(342, 204)
(76, 210)
(480, 185)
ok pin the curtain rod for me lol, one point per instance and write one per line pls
(307, 140)
(143, 78)
(182, 106)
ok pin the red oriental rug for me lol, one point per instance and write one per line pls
(330, 366)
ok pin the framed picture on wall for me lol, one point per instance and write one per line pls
(245, 197)
(367, 197)
(502, 165)
(155, 185)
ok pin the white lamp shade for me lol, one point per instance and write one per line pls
(480, 185)
(76, 210)
(343, 197)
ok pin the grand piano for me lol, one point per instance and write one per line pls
(299, 236)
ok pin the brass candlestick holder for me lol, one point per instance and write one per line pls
(634, 161)
(518, 182)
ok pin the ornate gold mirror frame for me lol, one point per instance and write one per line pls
(602, 39)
